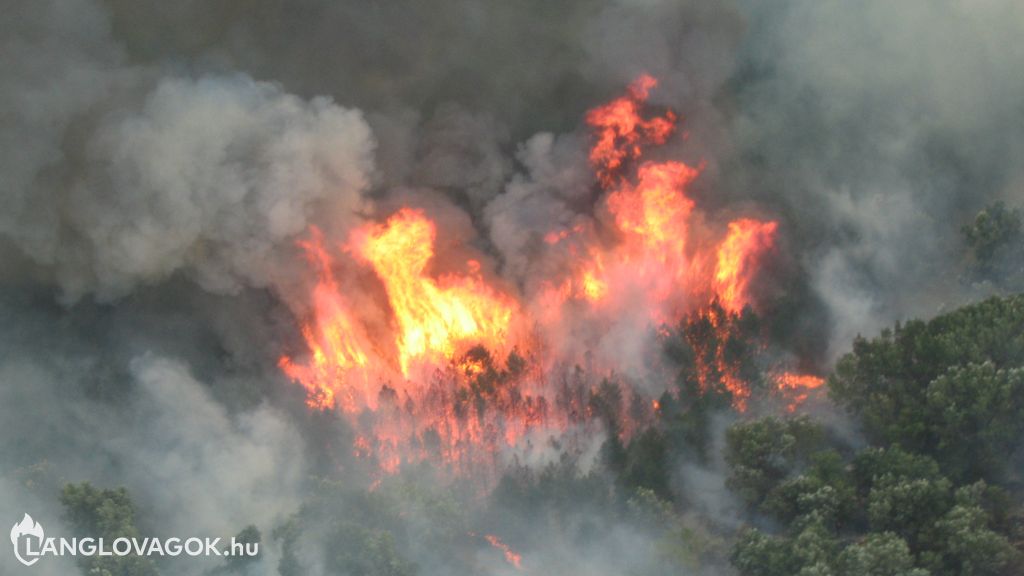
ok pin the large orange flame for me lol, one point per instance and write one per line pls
(434, 316)
(433, 381)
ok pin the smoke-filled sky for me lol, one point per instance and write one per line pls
(159, 160)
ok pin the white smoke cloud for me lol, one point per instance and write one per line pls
(212, 175)
(201, 468)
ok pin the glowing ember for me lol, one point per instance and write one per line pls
(510, 556)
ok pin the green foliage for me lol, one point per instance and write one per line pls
(647, 464)
(103, 512)
(915, 386)
(801, 496)
(993, 229)
(809, 552)
(686, 423)
(907, 506)
(870, 464)
(814, 546)
(644, 461)
(977, 417)
(107, 514)
(879, 554)
(942, 403)
(758, 554)
(968, 547)
(704, 342)
(683, 541)
(709, 339)
(250, 534)
(762, 453)
(556, 490)
(824, 490)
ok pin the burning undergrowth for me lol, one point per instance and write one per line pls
(466, 368)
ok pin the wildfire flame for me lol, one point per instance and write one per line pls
(459, 371)
(738, 256)
(434, 316)
(510, 556)
(621, 130)
(797, 387)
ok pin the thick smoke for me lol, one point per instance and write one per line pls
(159, 160)
(84, 401)
(211, 175)
(883, 127)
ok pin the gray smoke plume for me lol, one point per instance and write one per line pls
(119, 176)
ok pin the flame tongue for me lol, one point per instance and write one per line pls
(797, 388)
(656, 211)
(622, 131)
(434, 316)
(738, 258)
(337, 344)
(511, 556)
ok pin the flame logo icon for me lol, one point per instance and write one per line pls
(27, 527)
